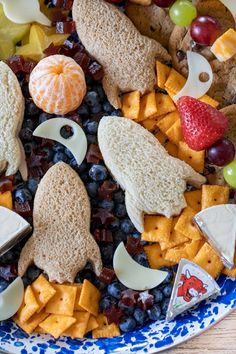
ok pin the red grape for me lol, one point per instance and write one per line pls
(221, 153)
(163, 3)
(205, 30)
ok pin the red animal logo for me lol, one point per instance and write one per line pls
(190, 286)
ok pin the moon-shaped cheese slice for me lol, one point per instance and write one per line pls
(11, 299)
(194, 87)
(77, 143)
(133, 275)
(24, 11)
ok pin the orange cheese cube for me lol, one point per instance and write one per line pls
(224, 47)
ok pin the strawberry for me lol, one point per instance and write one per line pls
(202, 125)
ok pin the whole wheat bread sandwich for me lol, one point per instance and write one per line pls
(61, 243)
(154, 182)
(127, 57)
(12, 106)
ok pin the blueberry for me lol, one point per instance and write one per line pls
(100, 92)
(140, 316)
(87, 274)
(33, 273)
(92, 139)
(59, 156)
(120, 211)
(92, 127)
(164, 306)
(29, 123)
(117, 113)
(92, 188)
(69, 153)
(48, 153)
(127, 226)
(96, 108)
(154, 313)
(167, 290)
(106, 303)
(23, 195)
(26, 134)
(98, 173)
(127, 324)
(128, 310)
(32, 185)
(26, 281)
(84, 177)
(158, 295)
(92, 98)
(25, 89)
(119, 237)
(141, 258)
(44, 116)
(29, 147)
(107, 253)
(106, 204)
(94, 202)
(107, 107)
(82, 167)
(58, 147)
(115, 224)
(3, 285)
(136, 234)
(73, 163)
(119, 196)
(31, 109)
(83, 110)
(114, 290)
(169, 276)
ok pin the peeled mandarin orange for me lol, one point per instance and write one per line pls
(57, 84)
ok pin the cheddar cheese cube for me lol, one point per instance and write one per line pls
(224, 47)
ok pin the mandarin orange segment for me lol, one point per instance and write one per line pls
(57, 84)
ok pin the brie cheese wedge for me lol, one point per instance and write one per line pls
(218, 225)
(12, 229)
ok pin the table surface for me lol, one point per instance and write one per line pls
(220, 339)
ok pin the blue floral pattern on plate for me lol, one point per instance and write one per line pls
(152, 338)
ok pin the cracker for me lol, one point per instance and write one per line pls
(32, 323)
(43, 291)
(78, 329)
(78, 288)
(6, 200)
(29, 306)
(161, 137)
(90, 298)
(231, 272)
(194, 200)
(168, 120)
(163, 72)
(170, 93)
(164, 104)
(209, 100)
(185, 224)
(105, 330)
(156, 228)
(175, 81)
(150, 124)
(174, 133)
(175, 239)
(171, 148)
(186, 250)
(148, 106)
(63, 301)
(214, 195)
(92, 324)
(131, 105)
(56, 325)
(209, 260)
(156, 257)
(196, 159)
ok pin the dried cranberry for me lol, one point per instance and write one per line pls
(95, 70)
(134, 246)
(83, 60)
(23, 209)
(8, 272)
(104, 217)
(107, 276)
(36, 172)
(75, 117)
(6, 184)
(28, 66)
(52, 49)
(94, 154)
(181, 55)
(103, 235)
(63, 4)
(113, 314)
(105, 191)
(36, 159)
(16, 63)
(145, 300)
(57, 15)
(129, 297)
(65, 27)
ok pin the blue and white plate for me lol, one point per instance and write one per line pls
(152, 338)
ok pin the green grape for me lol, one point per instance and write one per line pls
(230, 174)
(182, 13)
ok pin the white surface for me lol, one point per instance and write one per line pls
(77, 143)
(197, 64)
(133, 275)
(11, 299)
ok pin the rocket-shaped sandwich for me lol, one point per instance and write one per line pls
(61, 244)
(154, 182)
